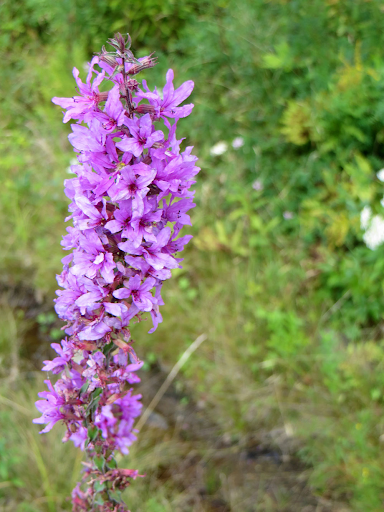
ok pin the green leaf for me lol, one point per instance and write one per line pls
(92, 433)
(84, 387)
(99, 486)
(99, 463)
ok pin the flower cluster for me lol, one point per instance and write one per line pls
(129, 201)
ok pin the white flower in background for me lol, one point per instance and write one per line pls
(238, 142)
(373, 227)
(365, 217)
(380, 175)
(257, 185)
(374, 236)
(219, 148)
(288, 215)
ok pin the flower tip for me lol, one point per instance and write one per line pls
(170, 74)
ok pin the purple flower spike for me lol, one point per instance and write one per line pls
(129, 199)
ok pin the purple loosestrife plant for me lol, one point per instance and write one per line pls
(129, 201)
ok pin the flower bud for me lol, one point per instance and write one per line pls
(132, 84)
(145, 109)
(147, 62)
(107, 57)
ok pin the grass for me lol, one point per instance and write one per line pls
(321, 394)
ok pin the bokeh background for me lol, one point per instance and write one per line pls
(281, 408)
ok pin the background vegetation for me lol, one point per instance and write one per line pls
(278, 275)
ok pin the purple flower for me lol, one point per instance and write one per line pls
(142, 226)
(94, 331)
(146, 269)
(50, 408)
(105, 421)
(92, 217)
(116, 421)
(141, 135)
(140, 293)
(177, 245)
(168, 106)
(93, 293)
(156, 319)
(78, 106)
(73, 289)
(79, 437)
(114, 112)
(153, 254)
(122, 219)
(93, 258)
(126, 371)
(133, 184)
(95, 362)
(65, 351)
(176, 212)
(115, 309)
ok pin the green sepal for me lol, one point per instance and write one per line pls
(84, 387)
(116, 496)
(98, 500)
(92, 433)
(108, 348)
(99, 486)
(95, 397)
(100, 463)
(112, 464)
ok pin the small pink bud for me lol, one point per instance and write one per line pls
(145, 109)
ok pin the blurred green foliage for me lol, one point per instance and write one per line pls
(278, 274)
